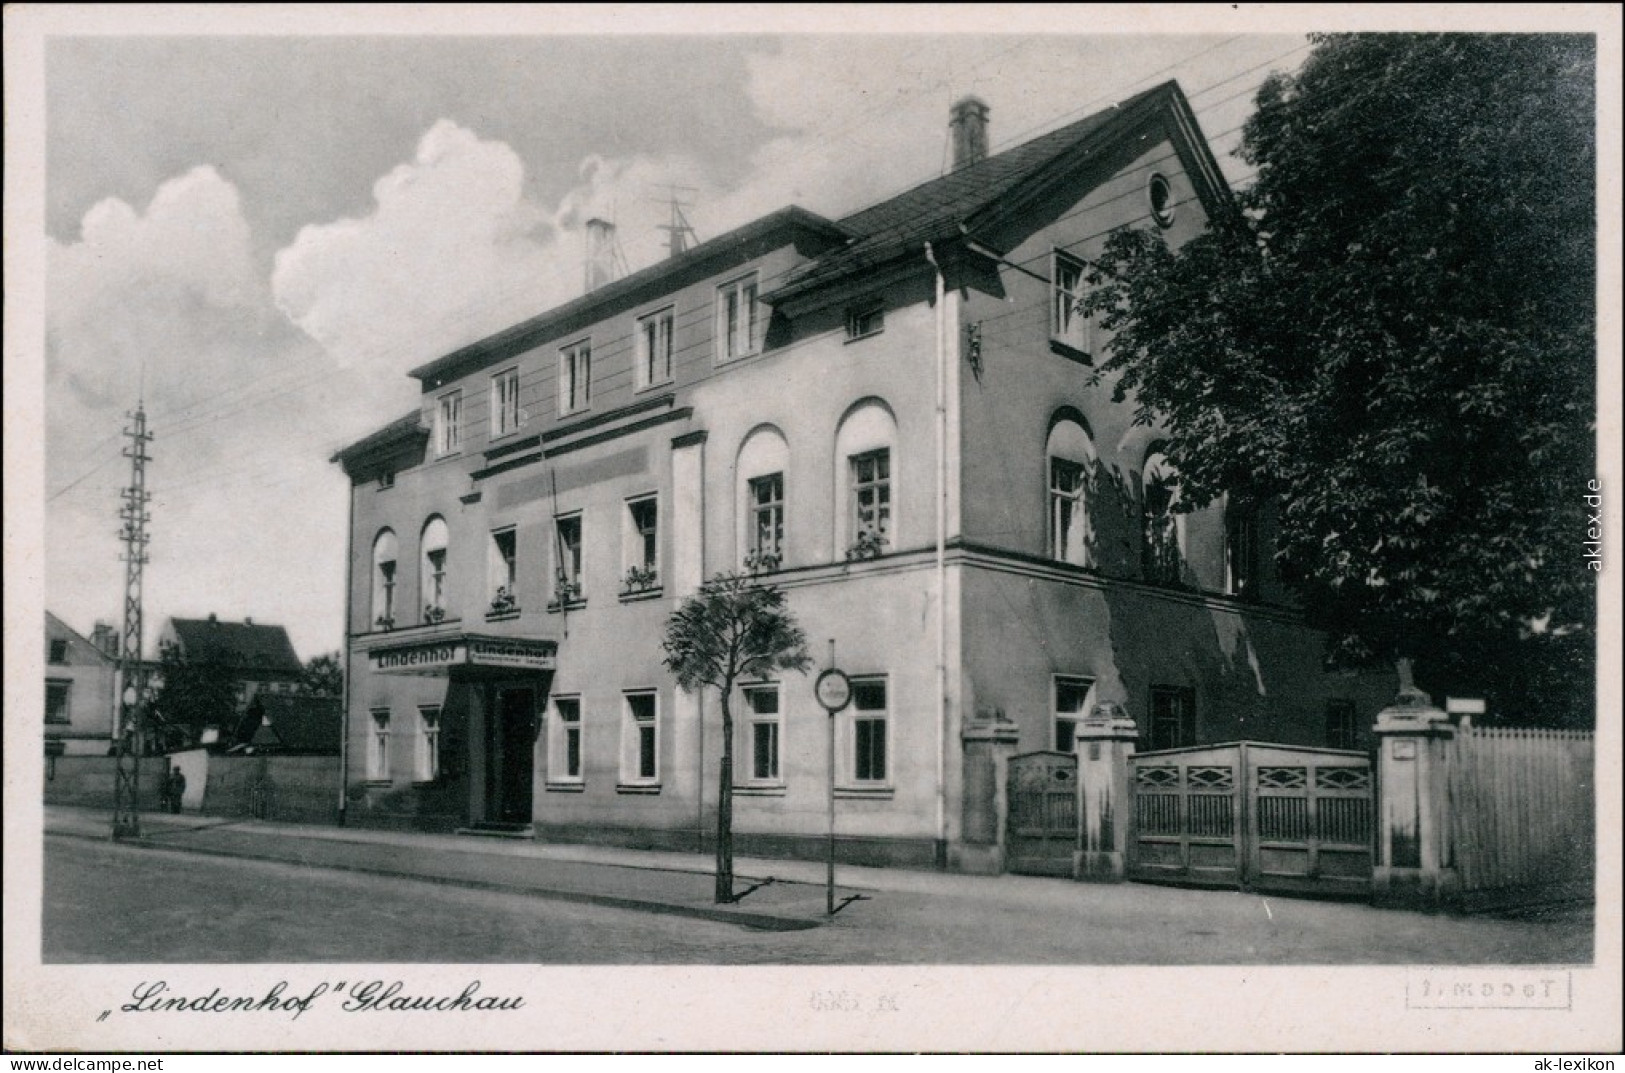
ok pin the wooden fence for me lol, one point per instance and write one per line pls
(1521, 813)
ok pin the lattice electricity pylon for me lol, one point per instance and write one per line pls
(130, 736)
(680, 236)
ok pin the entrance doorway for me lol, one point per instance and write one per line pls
(510, 738)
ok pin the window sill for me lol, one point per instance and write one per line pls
(1070, 352)
(637, 788)
(632, 596)
(378, 782)
(881, 792)
(502, 616)
(565, 787)
(565, 415)
(729, 359)
(763, 789)
(655, 386)
(569, 605)
(866, 335)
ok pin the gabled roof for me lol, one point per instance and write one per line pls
(82, 646)
(284, 723)
(240, 646)
(935, 210)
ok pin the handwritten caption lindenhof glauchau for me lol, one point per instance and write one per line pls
(367, 996)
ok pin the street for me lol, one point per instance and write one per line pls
(115, 903)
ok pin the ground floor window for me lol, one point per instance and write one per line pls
(428, 751)
(1173, 717)
(1071, 704)
(867, 730)
(564, 741)
(56, 701)
(762, 730)
(1340, 725)
(640, 752)
(378, 746)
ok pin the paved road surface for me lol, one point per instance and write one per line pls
(115, 903)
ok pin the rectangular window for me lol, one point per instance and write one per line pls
(865, 320)
(1340, 725)
(1173, 717)
(505, 412)
(654, 348)
(1071, 705)
(575, 377)
(1068, 324)
(869, 730)
(640, 543)
(737, 319)
(1241, 552)
(1067, 515)
(428, 753)
(564, 744)
(766, 521)
(567, 581)
(378, 746)
(504, 570)
(449, 424)
(56, 701)
(640, 739)
(871, 496)
(762, 729)
(59, 650)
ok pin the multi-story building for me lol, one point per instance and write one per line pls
(889, 416)
(81, 689)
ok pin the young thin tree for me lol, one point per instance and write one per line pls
(732, 629)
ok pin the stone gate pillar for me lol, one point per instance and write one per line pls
(1105, 742)
(1415, 864)
(989, 741)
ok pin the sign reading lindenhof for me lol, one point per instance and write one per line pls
(470, 650)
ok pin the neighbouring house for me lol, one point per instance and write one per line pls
(282, 724)
(890, 416)
(258, 658)
(81, 689)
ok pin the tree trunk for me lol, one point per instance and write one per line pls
(725, 809)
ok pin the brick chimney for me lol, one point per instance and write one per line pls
(105, 640)
(967, 121)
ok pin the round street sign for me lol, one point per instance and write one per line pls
(833, 690)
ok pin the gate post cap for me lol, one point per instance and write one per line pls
(1108, 719)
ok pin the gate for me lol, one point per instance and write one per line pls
(1043, 821)
(1256, 816)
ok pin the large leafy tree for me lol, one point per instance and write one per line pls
(192, 697)
(323, 676)
(1392, 337)
(733, 628)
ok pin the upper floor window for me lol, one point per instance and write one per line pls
(654, 348)
(505, 413)
(567, 580)
(1162, 547)
(504, 571)
(56, 701)
(864, 320)
(385, 557)
(738, 319)
(575, 377)
(58, 650)
(1068, 324)
(435, 541)
(640, 545)
(763, 458)
(1072, 699)
(1071, 458)
(864, 444)
(1341, 728)
(1173, 717)
(1240, 550)
(448, 426)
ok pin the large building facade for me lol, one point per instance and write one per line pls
(891, 417)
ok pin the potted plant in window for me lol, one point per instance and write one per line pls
(763, 561)
(384, 622)
(641, 579)
(433, 613)
(869, 544)
(565, 591)
(503, 602)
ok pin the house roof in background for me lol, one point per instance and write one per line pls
(245, 647)
(284, 722)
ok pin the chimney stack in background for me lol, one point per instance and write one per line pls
(601, 252)
(967, 121)
(105, 640)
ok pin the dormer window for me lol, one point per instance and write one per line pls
(448, 426)
(575, 377)
(738, 318)
(505, 413)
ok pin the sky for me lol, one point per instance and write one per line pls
(257, 236)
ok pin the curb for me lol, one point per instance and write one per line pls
(753, 921)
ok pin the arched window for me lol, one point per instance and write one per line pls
(435, 539)
(763, 459)
(866, 517)
(385, 556)
(1070, 464)
(1163, 545)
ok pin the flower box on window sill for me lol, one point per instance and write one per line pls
(382, 624)
(574, 603)
(565, 786)
(433, 616)
(502, 616)
(868, 545)
(637, 788)
(631, 596)
(763, 562)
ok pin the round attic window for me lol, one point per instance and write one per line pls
(1161, 196)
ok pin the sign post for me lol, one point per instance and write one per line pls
(834, 692)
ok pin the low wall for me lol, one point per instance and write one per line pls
(298, 789)
(87, 781)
